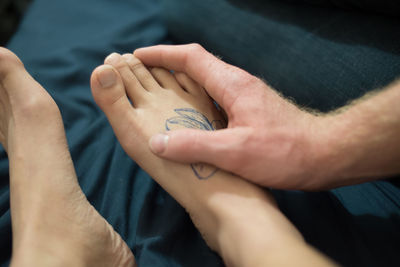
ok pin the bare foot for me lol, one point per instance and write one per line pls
(53, 223)
(237, 219)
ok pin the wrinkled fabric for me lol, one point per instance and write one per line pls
(381, 7)
(388, 7)
(10, 13)
(321, 58)
(60, 43)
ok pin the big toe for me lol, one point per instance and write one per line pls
(18, 88)
(110, 95)
(109, 91)
(8, 62)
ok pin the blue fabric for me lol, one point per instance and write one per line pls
(60, 43)
(319, 57)
(373, 6)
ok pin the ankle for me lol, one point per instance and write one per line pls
(249, 226)
(35, 254)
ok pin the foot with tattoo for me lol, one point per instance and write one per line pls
(236, 218)
(53, 224)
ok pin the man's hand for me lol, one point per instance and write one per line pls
(269, 140)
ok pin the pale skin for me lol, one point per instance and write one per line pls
(53, 224)
(237, 219)
(271, 141)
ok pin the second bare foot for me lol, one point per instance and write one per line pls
(53, 224)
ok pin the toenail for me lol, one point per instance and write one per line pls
(127, 56)
(158, 143)
(113, 58)
(107, 77)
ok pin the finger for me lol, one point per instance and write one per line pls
(222, 81)
(221, 148)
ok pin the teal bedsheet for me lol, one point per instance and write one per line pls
(318, 57)
(61, 42)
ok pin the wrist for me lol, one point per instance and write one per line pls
(360, 142)
(334, 150)
(345, 153)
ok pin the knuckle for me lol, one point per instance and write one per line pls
(247, 79)
(194, 141)
(195, 48)
(193, 51)
(193, 146)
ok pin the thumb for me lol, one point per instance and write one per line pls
(188, 145)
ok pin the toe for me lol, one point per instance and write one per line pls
(8, 61)
(19, 91)
(10, 66)
(188, 84)
(165, 79)
(109, 93)
(136, 92)
(142, 73)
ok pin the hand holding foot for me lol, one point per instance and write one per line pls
(53, 224)
(268, 141)
(236, 218)
(272, 142)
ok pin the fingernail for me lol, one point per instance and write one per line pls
(158, 143)
(107, 77)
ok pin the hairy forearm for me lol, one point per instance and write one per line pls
(361, 142)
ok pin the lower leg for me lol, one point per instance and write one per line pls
(52, 221)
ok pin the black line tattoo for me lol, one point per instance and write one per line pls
(190, 118)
